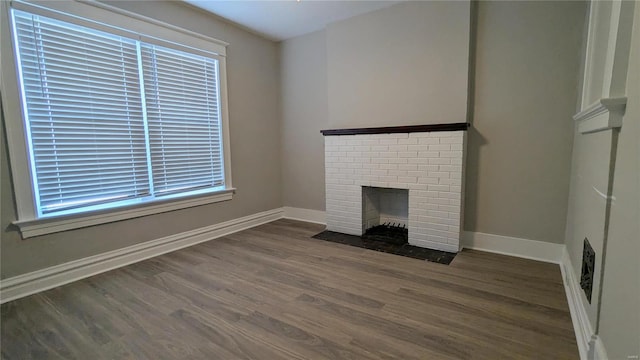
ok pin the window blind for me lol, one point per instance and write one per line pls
(181, 92)
(110, 118)
(83, 110)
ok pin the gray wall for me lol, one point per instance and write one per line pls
(526, 88)
(304, 114)
(620, 312)
(253, 83)
(527, 69)
(403, 65)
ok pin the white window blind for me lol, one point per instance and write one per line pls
(181, 92)
(111, 119)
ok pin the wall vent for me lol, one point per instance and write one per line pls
(588, 264)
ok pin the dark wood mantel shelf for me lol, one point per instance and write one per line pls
(397, 129)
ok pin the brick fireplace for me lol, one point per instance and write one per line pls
(369, 170)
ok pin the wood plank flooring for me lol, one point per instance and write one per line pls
(272, 292)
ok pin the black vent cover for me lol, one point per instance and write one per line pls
(588, 267)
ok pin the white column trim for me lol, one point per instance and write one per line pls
(604, 114)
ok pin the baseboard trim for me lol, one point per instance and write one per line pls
(581, 325)
(308, 215)
(23, 285)
(512, 246)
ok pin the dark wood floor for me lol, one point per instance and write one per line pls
(271, 292)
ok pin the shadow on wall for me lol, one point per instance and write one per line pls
(475, 141)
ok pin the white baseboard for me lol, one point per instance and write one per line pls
(581, 325)
(435, 245)
(48, 278)
(512, 246)
(308, 215)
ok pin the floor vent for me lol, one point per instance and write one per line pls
(588, 264)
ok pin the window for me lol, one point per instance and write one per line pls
(114, 118)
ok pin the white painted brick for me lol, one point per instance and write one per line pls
(428, 180)
(379, 184)
(398, 172)
(399, 161)
(380, 160)
(450, 154)
(419, 135)
(408, 141)
(389, 166)
(388, 141)
(428, 167)
(438, 239)
(441, 147)
(438, 174)
(429, 141)
(418, 148)
(390, 136)
(451, 140)
(450, 168)
(443, 134)
(417, 186)
(398, 147)
(408, 167)
(449, 208)
(428, 154)
(439, 161)
(407, 154)
(418, 160)
(450, 182)
(407, 179)
(389, 178)
(439, 188)
(440, 201)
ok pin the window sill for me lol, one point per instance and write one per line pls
(37, 227)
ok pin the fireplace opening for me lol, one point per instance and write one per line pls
(385, 214)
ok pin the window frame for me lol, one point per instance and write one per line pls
(119, 22)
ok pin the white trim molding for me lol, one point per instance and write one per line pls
(512, 246)
(37, 227)
(308, 215)
(604, 114)
(23, 285)
(590, 345)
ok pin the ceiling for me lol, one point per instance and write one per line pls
(285, 19)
